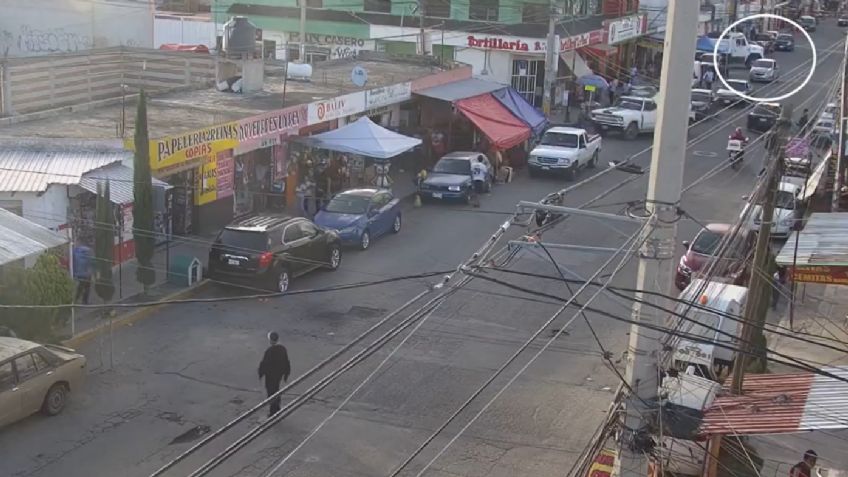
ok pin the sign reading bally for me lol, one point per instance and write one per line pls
(335, 108)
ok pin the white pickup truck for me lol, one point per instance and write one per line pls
(564, 150)
(739, 50)
(631, 115)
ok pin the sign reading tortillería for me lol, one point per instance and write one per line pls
(820, 274)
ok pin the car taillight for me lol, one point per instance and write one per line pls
(265, 259)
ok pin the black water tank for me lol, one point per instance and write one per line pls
(239, 36)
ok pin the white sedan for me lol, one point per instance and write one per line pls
(787, 211)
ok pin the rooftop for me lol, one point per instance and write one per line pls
(781, 403)
(822, 242)
(20, 238)
(179, 112)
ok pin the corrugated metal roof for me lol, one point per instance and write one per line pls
(460, 89)
(20, 238)
(31, 165)
(120, 178)
(781, 403)
(824, 241)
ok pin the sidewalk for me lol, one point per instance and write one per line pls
(820, 315)
(129, 290)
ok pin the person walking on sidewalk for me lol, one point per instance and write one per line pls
(778, 287)
(709, 78)
(273, 368)
(478, 176)
(82, 272)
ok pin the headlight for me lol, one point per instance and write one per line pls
(454, 188)
(533, 159)
(787, 222)
(682, 265)
(564, 161)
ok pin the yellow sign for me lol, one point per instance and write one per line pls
(206, 183)
(589, 88)
(192, 149)
(603, 464)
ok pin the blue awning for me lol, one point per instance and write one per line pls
(520, 108)
(707, 45)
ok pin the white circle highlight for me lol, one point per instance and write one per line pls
(776, 98)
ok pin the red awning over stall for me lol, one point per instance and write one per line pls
(495, 121)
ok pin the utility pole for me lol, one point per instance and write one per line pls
(302, 50)
(551, 60)
(657, 255)
(757, 304)
(841, 160)
(734, 10)
(422, 34)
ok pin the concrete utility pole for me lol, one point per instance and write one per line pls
(551, 61)
(760, 280)
(302, 50)
(841, 160)
(422, 34)
(734, 10)
(657, 255)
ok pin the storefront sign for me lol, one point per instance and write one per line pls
(506, 43)
(626, 28)
(215, 180)
(176, 153)
(264, 130)
(335, 108)
(603, 464)
(224, 175)
(339, 46)
(820, 274)
(388, 95)
(589, 38)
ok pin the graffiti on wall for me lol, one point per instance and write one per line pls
(52, 40)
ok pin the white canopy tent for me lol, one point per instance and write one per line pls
(364, 138)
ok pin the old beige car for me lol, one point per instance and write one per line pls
(35, 378)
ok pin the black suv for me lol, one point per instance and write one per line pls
(272, 249)
(763, 117)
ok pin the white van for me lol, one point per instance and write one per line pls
(724, 299)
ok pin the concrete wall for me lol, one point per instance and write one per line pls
(183, 30)
(498, 64)
(43, 27)
(49, 209)
(55, 81)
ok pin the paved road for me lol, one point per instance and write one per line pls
(191, 367)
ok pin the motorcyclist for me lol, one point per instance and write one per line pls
(739, 135)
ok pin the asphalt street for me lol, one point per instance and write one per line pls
(190, 368)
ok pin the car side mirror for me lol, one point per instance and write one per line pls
(372, 212)
(686, 243)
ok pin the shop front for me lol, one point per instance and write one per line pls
(621, 45)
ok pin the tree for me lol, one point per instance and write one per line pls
(143, 199)
(104, 243)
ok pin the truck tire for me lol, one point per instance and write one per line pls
(571, 173)
(631, 131)
(593, 161)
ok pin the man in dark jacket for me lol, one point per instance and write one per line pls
(274, 368)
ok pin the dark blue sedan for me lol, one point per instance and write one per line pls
(450, 179)
(361, 215)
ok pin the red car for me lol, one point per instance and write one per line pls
(706, 245)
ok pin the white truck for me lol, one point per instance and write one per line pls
(564, 150)
(631, 115)
(739, 50)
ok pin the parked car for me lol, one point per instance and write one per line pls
(788, 211)
(702, 103)
(36, 377)
(450, 178)
(831, 111)
(824, 132)
(565, 150)
(361, 215)
(706, 245)
(643, 91)
(808, 23)
(631, 115)
(728, 97)
(784, 42)
(763, 117)
(842, 20)
(765, 70)
(270, 250)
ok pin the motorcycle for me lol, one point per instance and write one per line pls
(735, 151)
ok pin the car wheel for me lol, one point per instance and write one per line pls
(396, 225)
(593, 161)
(55, 400)
(570, 173)
(631, 131)
(283, 281)
(365, 240)
(335, 257)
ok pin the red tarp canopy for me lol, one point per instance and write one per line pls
(180, 47)
(495, 121)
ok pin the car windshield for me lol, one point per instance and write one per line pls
(630, 104)
(784, 37)
(785, 200)
(764, 110)
(702, 97)
(243, 240)
(347, 204)
(559, 139)
(453, 166)
(762, 64)
(706, 243)
(824, 125)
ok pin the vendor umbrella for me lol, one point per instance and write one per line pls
(593, 80)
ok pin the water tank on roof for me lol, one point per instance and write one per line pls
(299, 71)
(239, 36)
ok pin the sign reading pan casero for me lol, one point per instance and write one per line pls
(387, 95)
(820, 274)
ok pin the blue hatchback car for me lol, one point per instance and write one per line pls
(361, 215)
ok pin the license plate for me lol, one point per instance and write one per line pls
(762, 120)
(604, 127)
(726, 101)
(437, 195)
(546, 168)
(233, 262)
